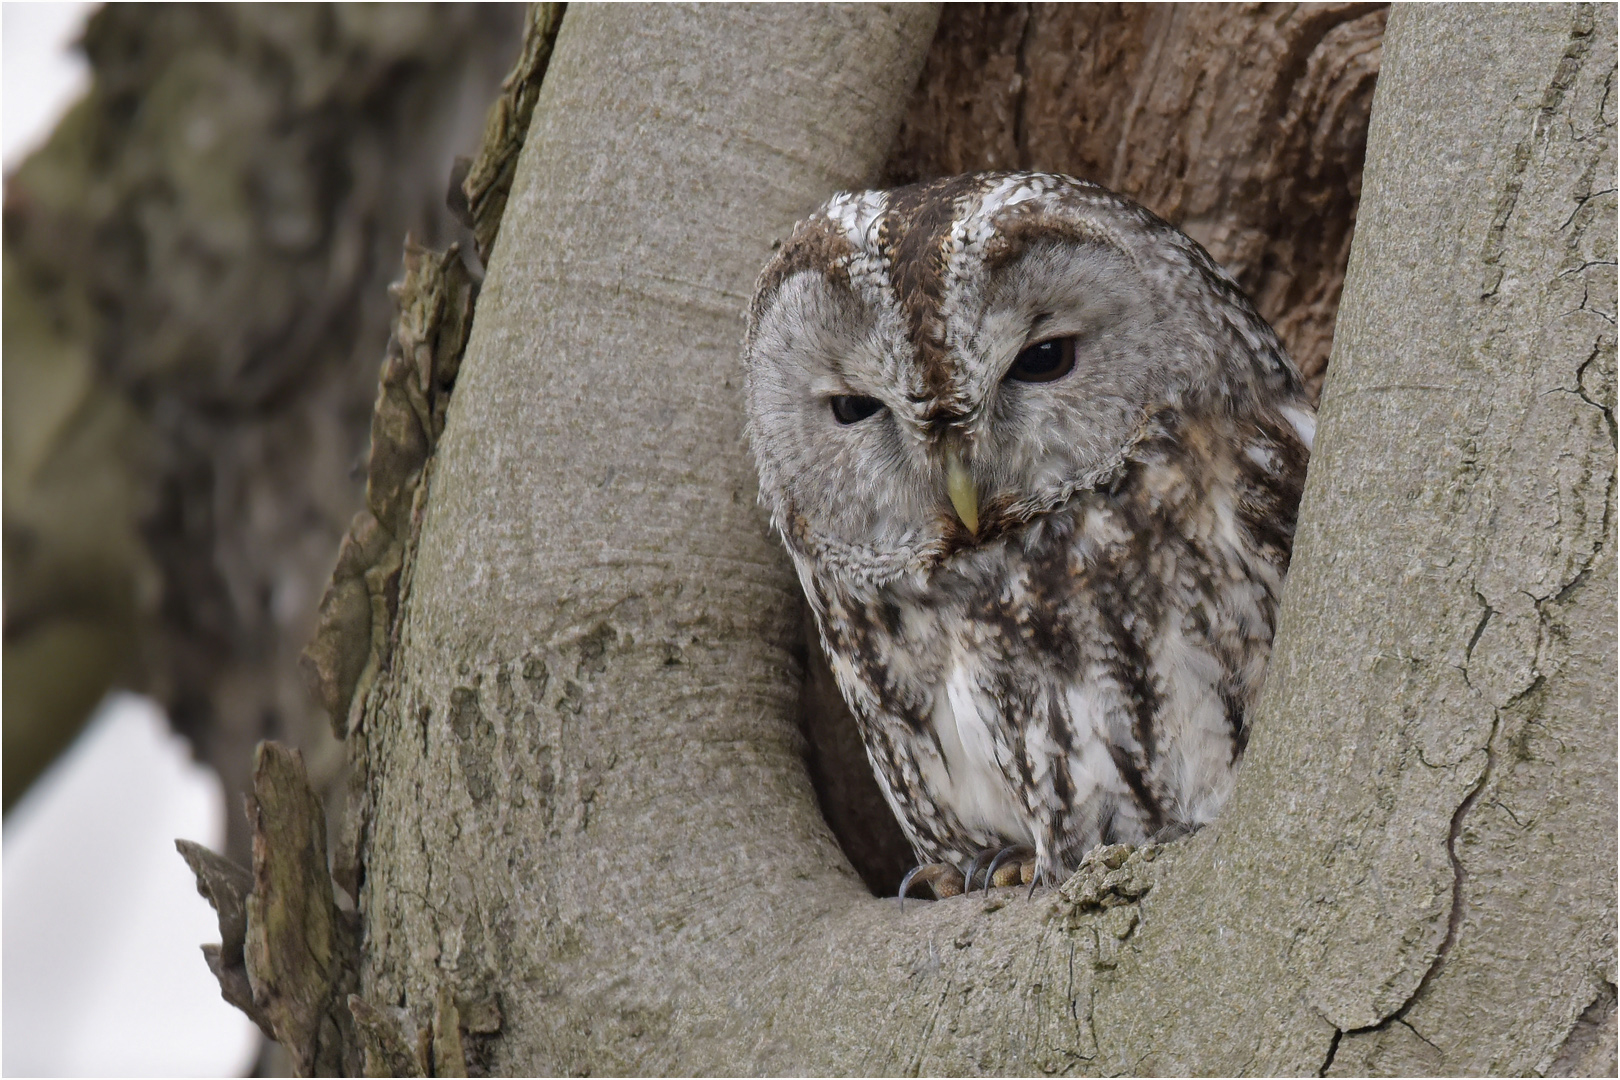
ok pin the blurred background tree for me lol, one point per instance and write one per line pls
(195, 285)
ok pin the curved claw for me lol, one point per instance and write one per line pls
(941, 873)
(973, 868)
(1019, 851)
(905, 883)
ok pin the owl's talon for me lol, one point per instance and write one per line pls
(973, 869)
(1036, 873)
(1019, 872)
(945, 879)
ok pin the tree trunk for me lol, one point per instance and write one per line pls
(586, 821)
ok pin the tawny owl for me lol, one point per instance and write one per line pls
(1036, 460)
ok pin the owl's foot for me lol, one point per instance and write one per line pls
(1021, 866)
(1011, 866)
(945, 879)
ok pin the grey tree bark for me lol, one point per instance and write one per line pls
(585, 816)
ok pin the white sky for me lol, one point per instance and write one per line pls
(42, 74)
(102, 973)
(100, 922)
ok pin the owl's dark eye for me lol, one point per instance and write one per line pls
(850, 408)
(1046, 362)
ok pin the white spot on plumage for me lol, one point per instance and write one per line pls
(1091, 767)
(971, 779)
(1304, 423)
(859, 214)
(1193, 723)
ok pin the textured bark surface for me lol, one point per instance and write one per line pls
(586, 800)
(195, 272)
(639, 652)
(169, 530)
(1469, 558)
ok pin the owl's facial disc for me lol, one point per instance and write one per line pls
(933, 368)
(870, 442)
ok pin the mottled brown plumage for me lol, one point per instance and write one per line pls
(1045, 533)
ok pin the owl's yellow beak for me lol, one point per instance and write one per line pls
(959, 485)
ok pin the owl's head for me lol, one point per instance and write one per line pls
(934, 367)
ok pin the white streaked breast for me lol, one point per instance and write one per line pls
(970, 780)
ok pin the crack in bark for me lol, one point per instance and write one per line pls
(1020, 133)
(1580, 204)
(1484, 620)
(1333, 1052)
(1506, 809)
(1569, 67)
(1408, 1026)
(1458, 880)
(1580, 389)
(1584, 1035)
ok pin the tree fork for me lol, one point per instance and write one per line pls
(584, 786)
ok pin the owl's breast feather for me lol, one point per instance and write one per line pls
(971, 777)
